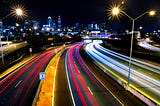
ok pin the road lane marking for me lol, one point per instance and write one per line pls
(18, 83)
(70, 89)
(90, 90)
(58, 55)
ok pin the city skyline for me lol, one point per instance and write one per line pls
(85, 12)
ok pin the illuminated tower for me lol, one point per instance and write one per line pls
(59, 22)
(50, 22)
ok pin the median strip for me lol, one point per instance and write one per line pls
(45, 92)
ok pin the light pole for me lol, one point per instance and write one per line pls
(18, 12)
(115, 11)
(1, 32)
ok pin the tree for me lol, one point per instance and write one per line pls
(37, 42)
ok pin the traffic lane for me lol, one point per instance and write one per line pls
(17, 72)
(12, 47)
(146, 45)
(138, 80)
(8, 80)
(137, 77)
(78, 98)
(84, 86)
(123, 95)
(102, 95)
(62, 93)
(23, 99)
(24, 76)
(81, 93)
(28, 78)
(31, 93)
(144, 67)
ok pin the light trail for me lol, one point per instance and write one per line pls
(80, 76)
(16, 88)
(142, 64)
(144, 44)
(106, 58)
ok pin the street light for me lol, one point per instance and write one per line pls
(115, 12)
(18, 12)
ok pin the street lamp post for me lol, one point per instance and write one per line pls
(1, 32)
(18, 12)
(116, 11)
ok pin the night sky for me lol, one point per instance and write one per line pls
(82, 11)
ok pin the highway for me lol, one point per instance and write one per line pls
(85, 88)
(19, 87)
(144, 76)
(62, 93)
(6, 49)
(80, 82)
(146, 45)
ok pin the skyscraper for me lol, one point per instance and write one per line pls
(28, 24)
(59, 22)
(50, 22)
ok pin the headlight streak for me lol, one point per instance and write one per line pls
(66, 59)
(86, 89)
(80, 85)
(148, 46)
(144, 80)
(139, 63)
(94, 78)
(138, 73)
(151, 80)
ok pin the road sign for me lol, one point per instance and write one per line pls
(42, 75)
(30, 50)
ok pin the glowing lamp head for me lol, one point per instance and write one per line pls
(151, 13)
(19, 11)
(115, 11)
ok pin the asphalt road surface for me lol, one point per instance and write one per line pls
(62, 94)
(126, 98)
(19, 87)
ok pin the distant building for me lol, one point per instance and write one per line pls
(93, 26)
(35, 25)
(28, 24)
(54, 25)
(59, 22)
(97, 26)
(49, 22)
